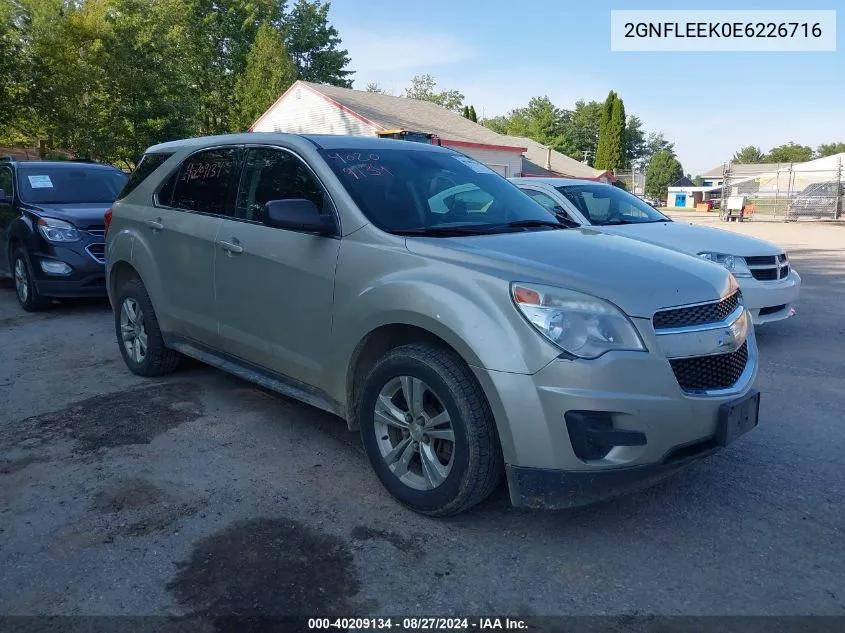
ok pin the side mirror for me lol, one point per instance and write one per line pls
(298, 214)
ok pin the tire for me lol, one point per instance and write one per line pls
(28, 296)
(135, 316)
(467, 469)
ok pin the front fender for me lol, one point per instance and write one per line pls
(470, 311)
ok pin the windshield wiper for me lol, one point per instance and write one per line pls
(478, 229)
(444, 231)
(530, 224)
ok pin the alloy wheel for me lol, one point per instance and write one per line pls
(414, 433)
(133, 330)
(21, 280)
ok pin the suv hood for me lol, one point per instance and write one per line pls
(637, 277)
(87, 215)
(693, 238)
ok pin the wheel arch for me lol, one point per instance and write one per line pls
(374, 345)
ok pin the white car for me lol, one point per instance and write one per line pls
(770, 286)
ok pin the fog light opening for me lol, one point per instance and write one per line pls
(593, 437)
(52, 267)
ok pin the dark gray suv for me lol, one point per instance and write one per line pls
(52, 227)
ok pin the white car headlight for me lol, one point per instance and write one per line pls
(733, 263)
(58, 230)
(579, 324)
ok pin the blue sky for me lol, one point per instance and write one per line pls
(709, 104)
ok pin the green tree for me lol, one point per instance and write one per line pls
(581, 130)
(14, 88)
(656, 143)
(830, 149)
(663, 170)
(314, 44)
(269, 72)
(748, 155)
(423, 88)
(697, 181)
(540, 120)
(635, 141)
(374, 87)
(611, 151)
(789, 153)
(498, 124)
(106, 81)
(472, 115)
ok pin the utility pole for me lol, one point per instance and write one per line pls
(839, 189)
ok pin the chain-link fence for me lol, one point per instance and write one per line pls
(800, 191)
(634, 181)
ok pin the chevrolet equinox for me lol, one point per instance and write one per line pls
(430, 303)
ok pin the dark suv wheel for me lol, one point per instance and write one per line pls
(27, 293)
(428, 430)
(138, 334)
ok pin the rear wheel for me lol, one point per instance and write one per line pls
(138, 334)
(428, 430)
(28, 296)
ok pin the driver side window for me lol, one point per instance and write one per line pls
(598, 209)
(272, 174)
(547, 203)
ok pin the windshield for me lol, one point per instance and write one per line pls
(604, 205)
(434, 192)
(69, 184)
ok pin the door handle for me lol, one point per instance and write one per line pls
(233, 247)
(155, 225)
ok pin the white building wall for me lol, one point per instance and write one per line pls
(508, 164)
(303, 112)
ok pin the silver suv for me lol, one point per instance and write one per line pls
(426, 300)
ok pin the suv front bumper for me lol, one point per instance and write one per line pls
(638, 391)
(86, 279)
(769, 301)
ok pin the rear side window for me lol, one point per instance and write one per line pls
(148, 164)
(206, 182)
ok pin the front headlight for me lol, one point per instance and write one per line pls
(733, 263)
(55, 230)
(579, 324)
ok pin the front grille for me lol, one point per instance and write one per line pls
(696, 315)
(764, 274)
(706, 373)
(767, 260)
(97, 252)
(768, 267)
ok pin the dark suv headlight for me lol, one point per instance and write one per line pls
(55, 230)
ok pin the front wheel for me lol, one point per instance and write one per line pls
(28, 296)
(428, 430)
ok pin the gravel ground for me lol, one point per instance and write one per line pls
(201, 494)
